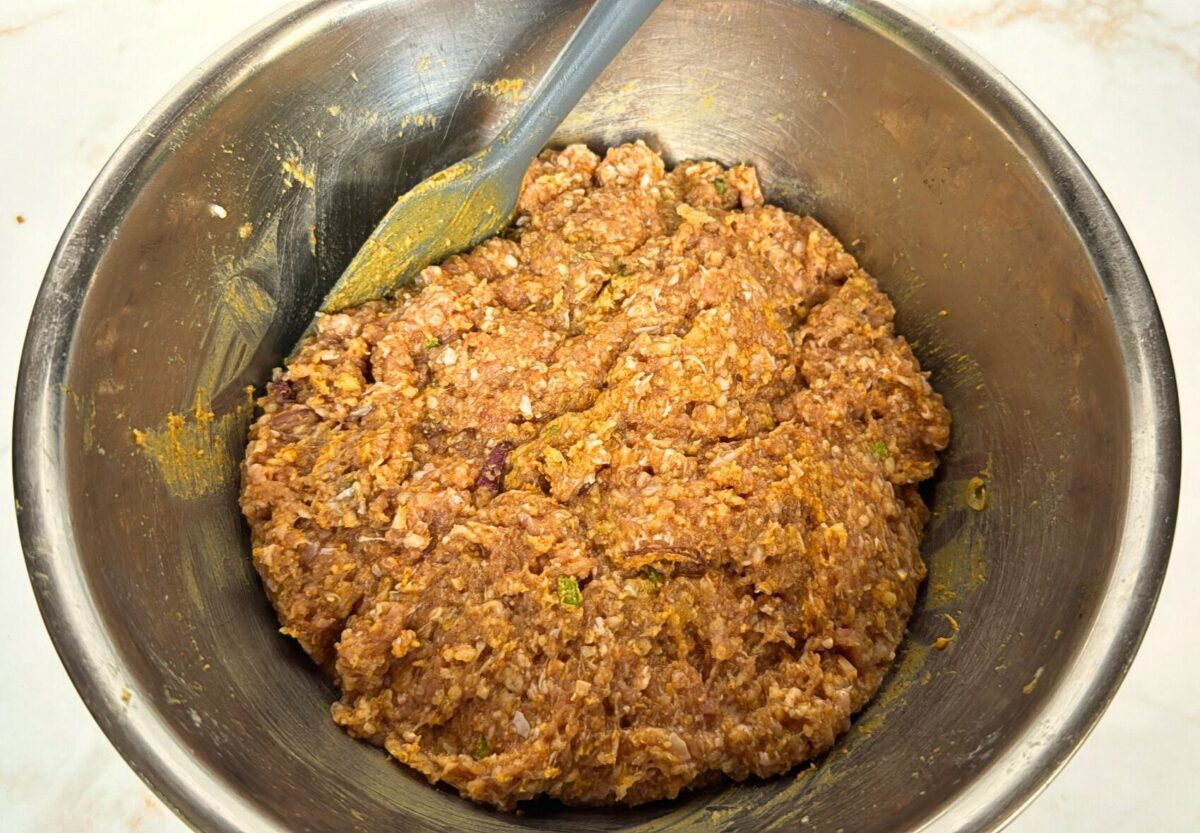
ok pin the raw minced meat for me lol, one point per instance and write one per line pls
(621, 501)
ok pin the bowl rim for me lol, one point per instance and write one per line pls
(206, 801)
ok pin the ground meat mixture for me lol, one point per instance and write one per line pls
(620, 502)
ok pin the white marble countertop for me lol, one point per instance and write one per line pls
(1120, 78)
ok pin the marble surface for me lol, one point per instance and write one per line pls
(1120, 78)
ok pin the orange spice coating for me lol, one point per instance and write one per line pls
(654, 388)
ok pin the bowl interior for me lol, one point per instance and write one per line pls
(218, 244)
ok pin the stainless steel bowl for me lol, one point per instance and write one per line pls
(197, 256)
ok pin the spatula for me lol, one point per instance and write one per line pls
(462, 205)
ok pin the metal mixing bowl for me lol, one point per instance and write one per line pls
(196, 258)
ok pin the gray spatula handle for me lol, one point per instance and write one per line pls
(608, 26)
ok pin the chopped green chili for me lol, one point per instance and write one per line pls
(653, 575)
(568, 591)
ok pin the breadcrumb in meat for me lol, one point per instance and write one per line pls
(617, 503)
